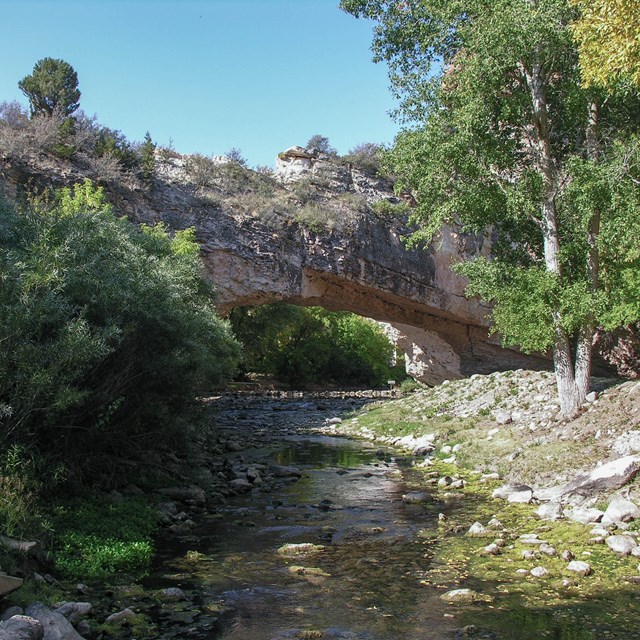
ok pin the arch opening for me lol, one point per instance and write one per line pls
(304, 346)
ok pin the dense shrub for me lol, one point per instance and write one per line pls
(21, 136)
(107, 331)
(365, 156)
(303, 346)
(320, 144)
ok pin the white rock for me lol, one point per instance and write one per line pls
(622, 544)
(611, 475)
(506, 490)
(459, 596)
(620, 510)
(584, 515)
(627, 443)
(21, 627)
(548, 550)
(477, 529)
(539, 572)
(523, 497)
(502, 417)
(415, 497)
(580, 567)
(550, 511)
(531, 538)
(492, 549)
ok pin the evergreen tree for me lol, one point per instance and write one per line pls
(52, 87)
(148, 158)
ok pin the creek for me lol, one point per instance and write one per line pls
(361, 580)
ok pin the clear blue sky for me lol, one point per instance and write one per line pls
(209, 75)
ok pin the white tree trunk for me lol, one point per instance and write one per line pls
(584, 350)
(562, 360)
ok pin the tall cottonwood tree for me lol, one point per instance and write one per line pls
(508, 142)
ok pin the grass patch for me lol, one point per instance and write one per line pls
(97, 538)
(32, 591)
(532, 605)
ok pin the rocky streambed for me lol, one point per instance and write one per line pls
(300, 528)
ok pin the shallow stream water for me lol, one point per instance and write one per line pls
(364, 579)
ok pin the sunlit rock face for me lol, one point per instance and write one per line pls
(311, 235)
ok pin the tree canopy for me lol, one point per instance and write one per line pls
(107, 330)
(608, 34)
(303, 346)
(52, 87)
(507, 142)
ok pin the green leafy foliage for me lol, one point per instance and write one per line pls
(107, 331)
(304, 346)
(51, 88)
(111, 143)
(508, 142)
(22, 515)
(608, 34)
(98, 538)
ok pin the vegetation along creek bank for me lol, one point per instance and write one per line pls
(465, 510)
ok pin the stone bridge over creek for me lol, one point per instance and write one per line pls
(346, 260)
(311, 236)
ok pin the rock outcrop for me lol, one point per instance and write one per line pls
(312, 234)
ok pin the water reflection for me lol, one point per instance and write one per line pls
(363, 581)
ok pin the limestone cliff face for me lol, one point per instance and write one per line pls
(309, 235)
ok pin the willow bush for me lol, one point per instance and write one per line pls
(107, 332)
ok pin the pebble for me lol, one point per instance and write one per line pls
(477, 529)
(492, 549)
(460, 596)
(531, 538)
(121, 616)
(415, 497)
(580, 567)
